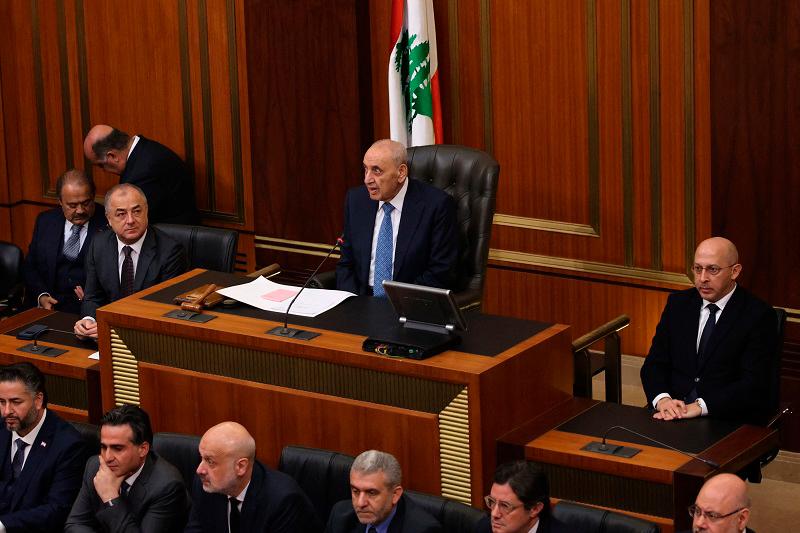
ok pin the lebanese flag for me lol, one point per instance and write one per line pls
(415, 110)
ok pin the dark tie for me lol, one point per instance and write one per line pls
(19, 458)
(708, 329)
(124, 489)
(235, 519)
(372, 529)
(126, 281)
(383, 252)
(73, 245)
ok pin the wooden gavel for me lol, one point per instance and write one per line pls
(197, 305)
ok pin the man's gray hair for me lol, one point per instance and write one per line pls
(120, 187)
(397, 151)
(372, 461)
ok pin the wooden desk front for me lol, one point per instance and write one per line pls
(657, 484)
(440, 417)
(72, 379)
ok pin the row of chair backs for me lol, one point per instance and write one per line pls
(470, 177)
(582, 518)
(209, 248)
(454, 516)
(181, 450)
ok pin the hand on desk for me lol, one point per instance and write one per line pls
(669, 409)
(86, 327)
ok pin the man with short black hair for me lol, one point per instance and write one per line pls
(519, 501)
(41, 456)
(377, 503)
(128, 488)
(54, 265)
(157, 170)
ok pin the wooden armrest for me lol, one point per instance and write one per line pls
(267, 271)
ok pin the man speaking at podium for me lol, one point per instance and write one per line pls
(396, 228)
(714, 345)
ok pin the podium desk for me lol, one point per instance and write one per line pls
(657, 484)
(440, 417)
(72, 379)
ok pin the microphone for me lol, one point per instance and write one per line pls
(34, 347)
(286, 331)
(614, 449)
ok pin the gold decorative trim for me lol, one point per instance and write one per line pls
(589, 267)
(654, 65)
(295, 250)
(454, 450)
(125, 370)
(689, 137)
(627, 133)
(545, 225)
(298, 247)
(320, 245)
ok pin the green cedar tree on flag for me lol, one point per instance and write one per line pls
(415, 111)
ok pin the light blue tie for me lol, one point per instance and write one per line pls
(73, 245)
(383, 252)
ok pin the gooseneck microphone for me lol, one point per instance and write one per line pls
(613, 448)
(33, 333)
(286, 331)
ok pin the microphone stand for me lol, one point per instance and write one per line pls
(48, 351)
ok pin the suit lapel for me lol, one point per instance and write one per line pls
(53, 247)
(248, 510)
(729, 316)
(366, 227)
(36, 457)
(691, 318)
(146, 257)
(409, 221)
(138, 492)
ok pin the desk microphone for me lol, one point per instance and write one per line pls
(613, 449)
(286, 331)
(33, 333)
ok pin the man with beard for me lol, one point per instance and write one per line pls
(722, 506)
(41, 455)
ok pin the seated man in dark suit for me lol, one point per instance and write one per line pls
(41, 455)
(233, 492)
(54, 273)
(519, 501)
(130, 258)
(721, 506)
(714, 346)
(378, 503)
(416, 242)
(128, 488)
(151, 166)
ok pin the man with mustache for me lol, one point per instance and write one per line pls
(41, 456)
(714, 347)
(54, 271)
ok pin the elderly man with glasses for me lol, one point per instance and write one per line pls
(722, 506)
(714, 345)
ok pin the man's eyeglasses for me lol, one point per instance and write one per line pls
(713, 269)
(505, 507)
(696, 512)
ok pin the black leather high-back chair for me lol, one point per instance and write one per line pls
(90, 435)
(579, 517)
(11, 287)
(470, 177)
(209, 248)
(181, 451)
(454, 516)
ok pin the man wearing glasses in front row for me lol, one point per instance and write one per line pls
(714, 346)
(722, 506)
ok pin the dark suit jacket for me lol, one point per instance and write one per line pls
(427, 240)
(273, 503)
(732, 377)
(409, 518)
(547, 524)
(165, 180)
(50, 479)
(161, 258)
(43, 254)
(157, 502)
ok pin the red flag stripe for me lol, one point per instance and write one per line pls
(438, 129)
(398, 6)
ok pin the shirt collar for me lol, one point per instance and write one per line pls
(133, 145)
(722, 302)
(30, 438)
(383, 527)
(68, 225)
(242, 494)
(399, 198)
(137, 246)
(130, 480)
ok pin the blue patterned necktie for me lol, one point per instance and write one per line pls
(383, 252)
(19, 459)
(73, 245)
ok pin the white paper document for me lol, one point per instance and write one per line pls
(270, 296)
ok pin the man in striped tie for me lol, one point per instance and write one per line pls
(54, 271)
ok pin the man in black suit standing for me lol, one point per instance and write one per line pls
(377, 501)
(151, 166)
(54, 266)
(128, 488)
(519, 502)
(396, 228)
(714, 345)
(130, 258)
(235, 493)
(41, 456)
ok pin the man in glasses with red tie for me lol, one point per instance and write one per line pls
(714, 346)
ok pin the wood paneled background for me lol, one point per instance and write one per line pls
(626, 131)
